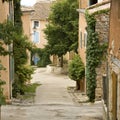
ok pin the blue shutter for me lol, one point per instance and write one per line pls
(36, 37)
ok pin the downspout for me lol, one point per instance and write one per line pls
(11, 59)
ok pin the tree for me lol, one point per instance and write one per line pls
(62, 30)
(76, 70)
(17, 16)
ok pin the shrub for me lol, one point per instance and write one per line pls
(21, 78)
(76, 70)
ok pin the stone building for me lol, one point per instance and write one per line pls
(102, 27)
(6, 13)
(112, 101)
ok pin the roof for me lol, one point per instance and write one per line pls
(42, 11)
(26, 9)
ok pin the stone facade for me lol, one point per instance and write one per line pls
(102, 28)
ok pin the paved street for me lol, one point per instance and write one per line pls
(52, 102)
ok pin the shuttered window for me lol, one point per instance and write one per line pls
(80, 39)
(85, 39)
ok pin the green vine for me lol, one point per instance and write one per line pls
(2, 97)
(94, 53)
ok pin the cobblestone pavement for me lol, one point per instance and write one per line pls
(55, 100)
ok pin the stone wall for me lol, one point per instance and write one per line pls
(102, 28)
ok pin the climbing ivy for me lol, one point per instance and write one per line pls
(94, 53)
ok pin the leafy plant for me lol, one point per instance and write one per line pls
(76, 70)
(6, 33)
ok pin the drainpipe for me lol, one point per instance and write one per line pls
(107, 78)
(11, 59)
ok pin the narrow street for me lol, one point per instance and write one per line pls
(52, 102)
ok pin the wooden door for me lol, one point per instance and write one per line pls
(114, 95)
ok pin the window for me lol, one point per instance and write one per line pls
(36, 37)
(92, 2)
(80, 39)
(36, 24)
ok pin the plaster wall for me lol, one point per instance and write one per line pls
(114, 57)
(26, 22)
(82, 31)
